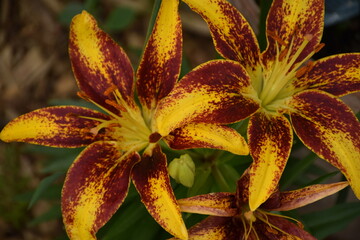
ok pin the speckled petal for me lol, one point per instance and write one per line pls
(330, 129)
(290, 23)
(289, 230)
(301, 197)
(99, 64)
(160, 65)
(152, 181)
(202, 135)
(233, 37)
(338, 75)
(61, 126)
(215, 204)
(95, 187)
(216, 228)
(215, 92)
(270, 141)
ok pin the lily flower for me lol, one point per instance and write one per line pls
(231, 218)
(266, 86)
(121, 142)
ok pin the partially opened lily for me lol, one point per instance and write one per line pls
(98, 180)
(231, 218)
(265, 86)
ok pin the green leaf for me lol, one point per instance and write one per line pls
(43, 186)
(332, 220)
(53, 213)
(119, 19)
(70, 10)
(200, 183)
(295, 169)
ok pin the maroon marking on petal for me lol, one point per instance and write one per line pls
(116, 65)
(338, 75)
(157, 75)
(228, 80)
(219, 228)
(310, 23)
(154, 167)
(97, 165)
(154, 137)
(68, 128)
(317, 113)
(265, 231)
(240, 42)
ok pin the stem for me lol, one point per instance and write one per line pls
(154, 14)
(219, 178)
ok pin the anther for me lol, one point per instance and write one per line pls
(276, 38)
(319, 47)
(83, 95)
(109, 90)
(115, 105)
(72, 115)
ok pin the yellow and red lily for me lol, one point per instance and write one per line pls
(231, 218)
(266, 85)
(97, 182)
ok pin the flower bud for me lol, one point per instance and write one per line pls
(183, 170)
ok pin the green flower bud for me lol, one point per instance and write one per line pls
(183, 170)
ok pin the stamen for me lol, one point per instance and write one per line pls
(71, 115)
(305, 69)
(83, 95)
(115, 105)
(276, 38)
(319, 47)
(111, 89)
(283, 54)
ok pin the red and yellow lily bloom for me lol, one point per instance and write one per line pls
(267, 85)
(97, 182)
(231, 218)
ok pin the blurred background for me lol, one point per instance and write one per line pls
(35, 72)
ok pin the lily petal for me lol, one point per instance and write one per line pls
(99, 63)
(202, 135)
(288, 229)
(152, 181)
(233, 37)
(330, 129)
(160, 65)
(201, 96)
(61, 126)
(270, 141)
(291, 23)
(338, 75)
(216, 228)
(298, 198)
(95, 187)
(215, 204)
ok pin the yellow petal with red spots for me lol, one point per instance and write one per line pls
(160, 65)
(337, 74)
(330, 129)
(233, 37)
(293, 28)
(212, 93)
(101, 67)
(202, 135)
(95, 187)
(270, 141)
(216, 228)
(301, 197)
(152, 181)
(216, 204)
(62, 126)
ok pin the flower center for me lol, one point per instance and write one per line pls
(127, 128)
(277, 79)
